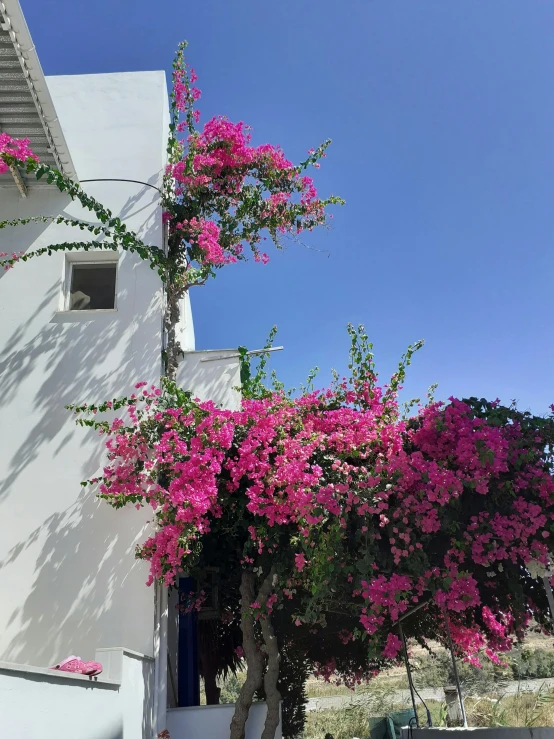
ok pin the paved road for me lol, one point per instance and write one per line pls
(403, 696)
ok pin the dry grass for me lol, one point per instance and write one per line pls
(321, 689)
(343, 724)
(523, 709)
(376, 699)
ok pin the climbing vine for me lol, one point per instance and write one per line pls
(222, 197)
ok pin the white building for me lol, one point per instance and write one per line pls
(69, 583)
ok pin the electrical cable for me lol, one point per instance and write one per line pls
(411, 723)
(429, 719)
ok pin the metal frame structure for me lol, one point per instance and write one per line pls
(452, 655)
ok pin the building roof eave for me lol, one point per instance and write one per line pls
(51, 145)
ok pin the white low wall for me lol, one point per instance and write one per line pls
(213, 722)
(212, 375)
(501, 732)
(36, 703)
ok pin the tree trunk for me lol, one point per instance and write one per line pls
(209, 658)
(254, 663)
(211, 689)
(272, 694)
(171, 319)
(253, 656)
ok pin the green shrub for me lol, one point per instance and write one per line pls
(436, 671)
(230, 688)
(527, 664)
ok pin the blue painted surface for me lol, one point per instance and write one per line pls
(188, 676)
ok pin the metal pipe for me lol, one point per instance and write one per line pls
(549, 595)
(156, 659)
(413, 610)
(248, 354)
(162, 687)
(117, 179)
(407, 663)
(456, 676)
(172, 679)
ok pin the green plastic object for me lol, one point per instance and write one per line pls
(388, 727)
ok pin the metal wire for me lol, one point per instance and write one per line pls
(115, 179)
(407, 663)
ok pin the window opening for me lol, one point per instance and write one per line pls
(92, 286)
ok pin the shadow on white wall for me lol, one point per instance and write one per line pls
(68, 574)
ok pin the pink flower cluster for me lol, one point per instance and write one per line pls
(206, 235)
(8, 260)
(19, 148)
(392, 647)
(239, 188)
(329, 672)
(391, 593)
(341, 458)
(184, 92)
(221, 158)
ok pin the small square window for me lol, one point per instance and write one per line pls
(92, 286)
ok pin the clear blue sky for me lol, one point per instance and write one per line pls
(442, 119)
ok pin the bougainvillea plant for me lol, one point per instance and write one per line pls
(334, 501)
(329, 503)
(223, 197)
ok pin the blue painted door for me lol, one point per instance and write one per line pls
(188, 675)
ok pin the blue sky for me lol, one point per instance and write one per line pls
(442, 119)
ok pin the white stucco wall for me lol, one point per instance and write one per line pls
(42, 704)
(213, 722)
(212, 375)
(68, 577)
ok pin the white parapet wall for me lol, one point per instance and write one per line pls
(212, 375)
(36, 703)
(501, 732)
(213, 722)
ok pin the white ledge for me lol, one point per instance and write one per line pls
(208, 351)
(214, 707)
(88, 312)
(112, 659)
(91, 681)
(127, 652)
(83, 316)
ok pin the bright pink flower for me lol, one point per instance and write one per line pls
(19, 148)
(392, 647)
